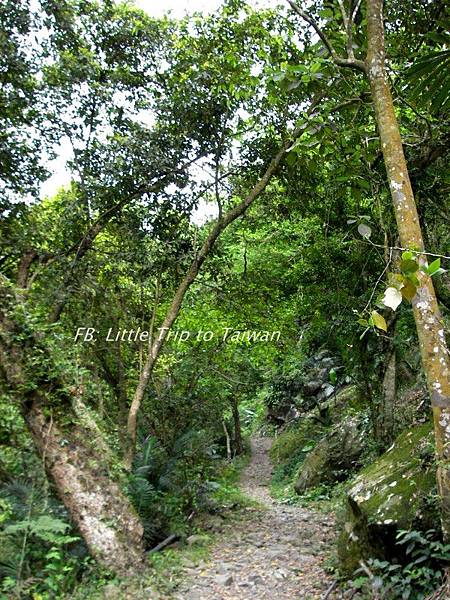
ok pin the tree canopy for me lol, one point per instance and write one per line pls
(142, 346)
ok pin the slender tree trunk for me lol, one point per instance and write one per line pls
(389, 393)
(430, 329)
(220, 225)
(217, 229)
(238, 447)
(227, 438)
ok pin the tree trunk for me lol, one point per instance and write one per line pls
(217, 229)
(74, 454)
(227, 438)
(222, 222)
(389, 393)
(103, 514)
(238, 447)
(430, 329)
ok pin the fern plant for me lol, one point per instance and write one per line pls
(33, 532)
(164, 488)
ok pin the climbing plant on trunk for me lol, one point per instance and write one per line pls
(430, 329)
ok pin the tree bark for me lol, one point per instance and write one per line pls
(238, 447)
(430, 329)
(103, 514)
(389, 393)
(227, 438)
(70, 443)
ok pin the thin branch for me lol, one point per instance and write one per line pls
(315, 26)
(216, 187)
(352, 62)
(344, 15)
(404, 249)
(208, 186)
(388, 262)
(228, 378)
(351, 22)
(355, 11)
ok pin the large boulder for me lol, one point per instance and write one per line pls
(336, 453)
(392, 493)
(294, 443)
(349, 400)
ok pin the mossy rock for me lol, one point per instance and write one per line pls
(348, 401)
(336, 453)
(390, 494)
(296, 439)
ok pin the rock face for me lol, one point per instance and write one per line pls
(348, 400)
(316, 380)
(387, 496)
(336, 453)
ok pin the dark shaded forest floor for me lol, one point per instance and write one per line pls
(272, 551)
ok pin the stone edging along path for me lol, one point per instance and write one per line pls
(276, 552)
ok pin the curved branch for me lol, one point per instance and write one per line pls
(352, 63)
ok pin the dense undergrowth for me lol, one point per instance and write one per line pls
(166, 117)
(41, 554)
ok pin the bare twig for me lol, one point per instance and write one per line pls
(379, 279)
(404, 249)
(329, 590)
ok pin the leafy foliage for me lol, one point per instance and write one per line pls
(37, 539)
(166, 487)
(160, 117)
(424, 569)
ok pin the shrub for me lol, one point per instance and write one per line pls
(426, 559)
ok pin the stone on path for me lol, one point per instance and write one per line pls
(276, 551)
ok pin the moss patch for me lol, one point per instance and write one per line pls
(390, 494)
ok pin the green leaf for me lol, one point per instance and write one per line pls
(409, 266)
(407, 255)
(364, 230)
(308, 447)
(291, 158)
(434, 267)
(396, 280)
(333, 376)
(409, 290)
(379, 321)
(412, 278)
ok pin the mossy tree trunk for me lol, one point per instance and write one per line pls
(430, 329)
(100, 510)
(434, 352)
(73, 451)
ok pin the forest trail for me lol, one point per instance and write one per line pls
(276, 551)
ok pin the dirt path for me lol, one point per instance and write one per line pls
(275, 553)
